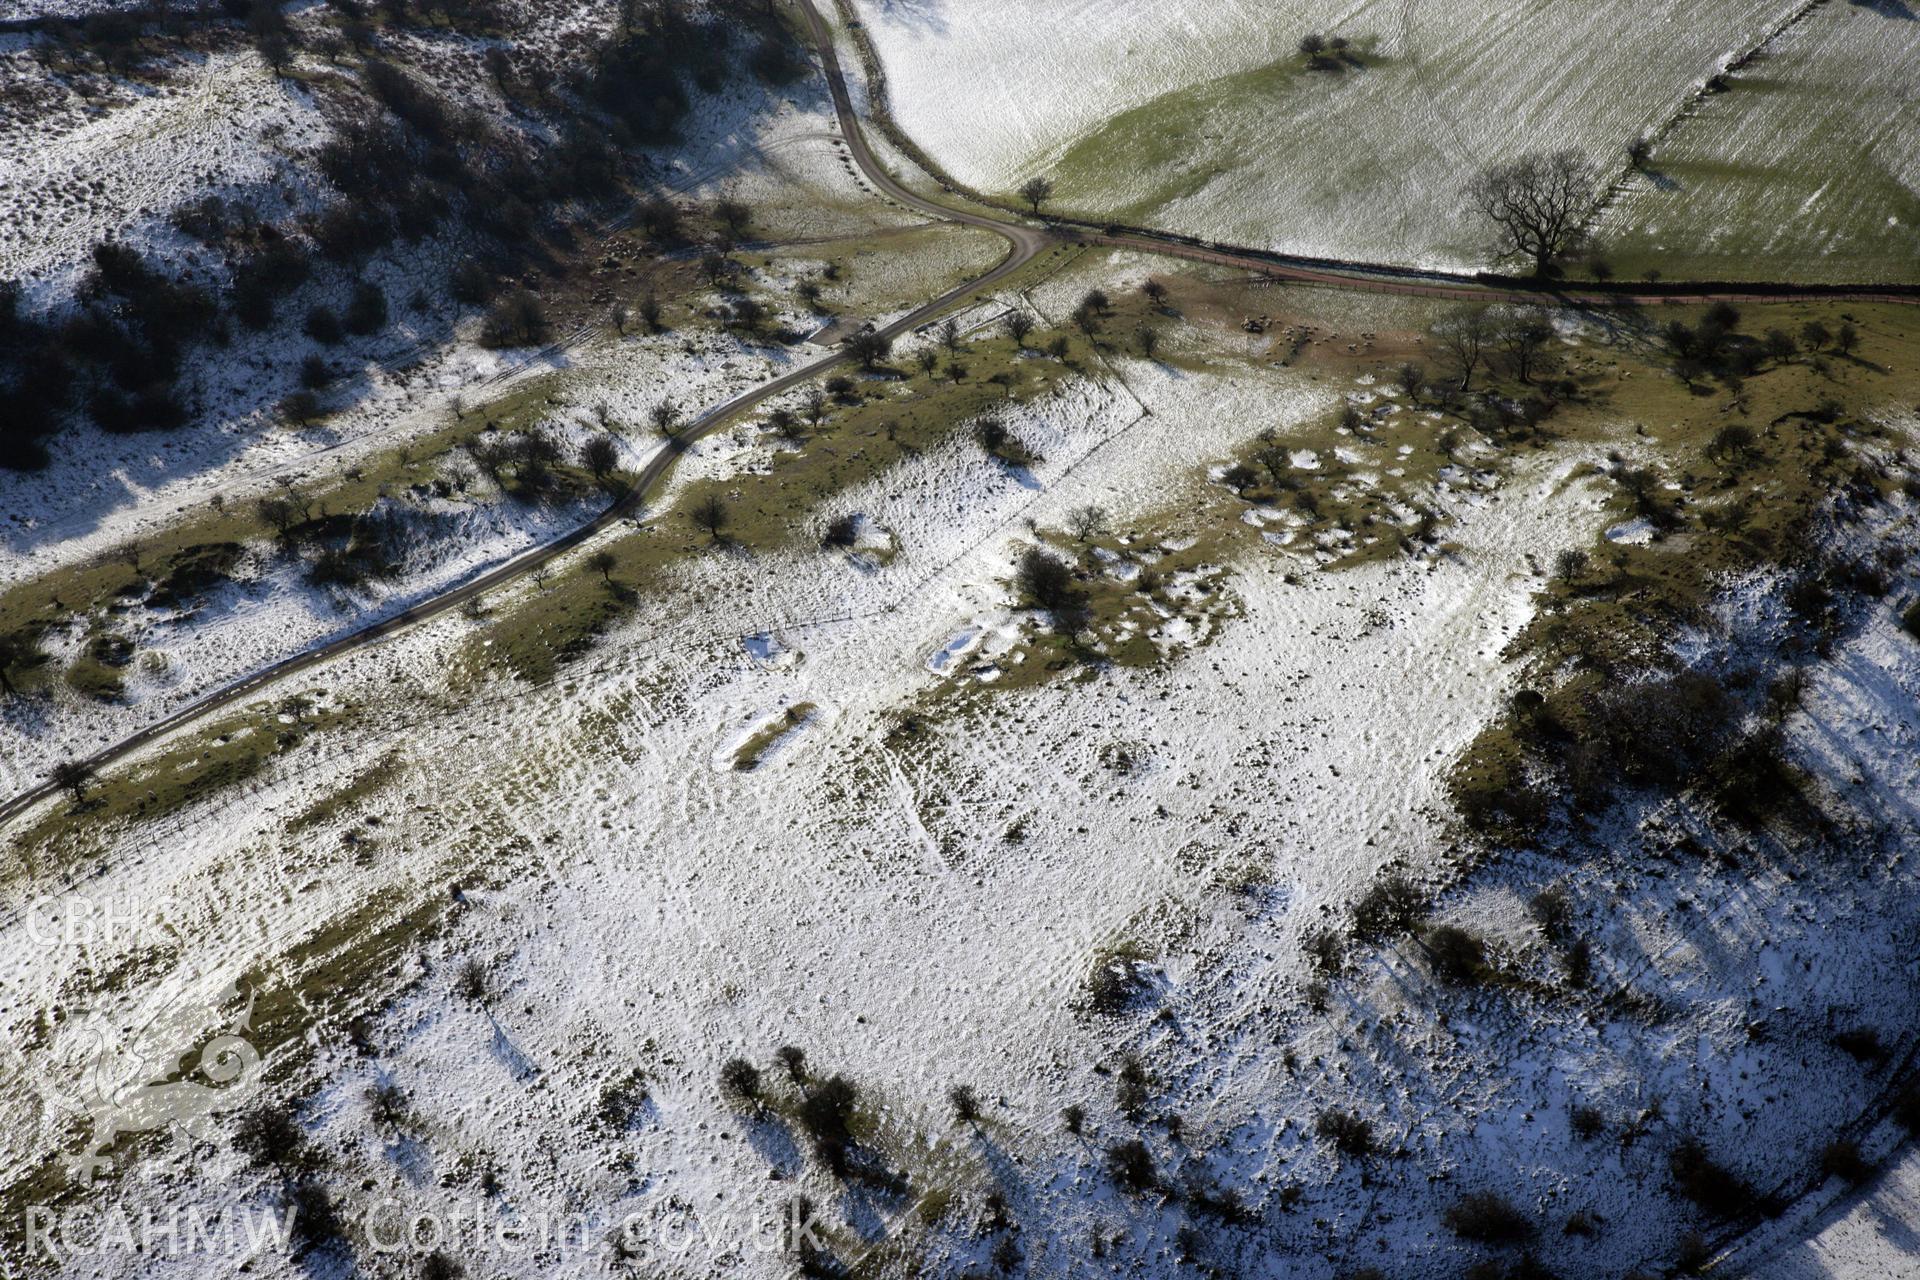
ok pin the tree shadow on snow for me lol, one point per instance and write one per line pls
(772, 1140)
(925, 15)
(1889, 9)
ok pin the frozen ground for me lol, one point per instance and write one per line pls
(1782, 169)
(544, 915)
(925, 910)
(1868, 1238)
(1201, 118)
(223, 125)
(272, 614)
(104, 491)
(864, 901)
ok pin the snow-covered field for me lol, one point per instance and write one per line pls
(921, 913)
(106, 491)
(223, 126)
(1783, 171)
(497, 936)
(1203, 119)
(826, 873)
(1869, 1238)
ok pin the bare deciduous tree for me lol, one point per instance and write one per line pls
(1411, 379)
(794, 1059)
(785, 424)
(1019, 325)
(280, 512)
(13, 651)
(1536, 205)
(1087, 522)
(1036, 191)
(740, 1079)
(869, 348)
(600, 455)
(665, 418)
(1463, 338)
(734, 218)
(710, 514)
(72, 777)
(1523, 335)
(1046, 582)
(1278, 464)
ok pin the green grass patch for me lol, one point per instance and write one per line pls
(362, 786)
(562, 618)
(1781, 177)
(1172, 146)
(92, 678)
(1612, 613)
(770, 735)
(888, 417)
(230, 750)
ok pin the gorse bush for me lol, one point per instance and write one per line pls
(1392, 905)
(517, 320)
(1457, 955)
(740, 1079)
(1045, 580)
(1487, 1218)
(1350, 1133)
(1131, 1166)
(1711, 1187)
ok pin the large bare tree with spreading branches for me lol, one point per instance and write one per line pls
(1536, 205)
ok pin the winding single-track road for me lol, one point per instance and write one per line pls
(1025, 242)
